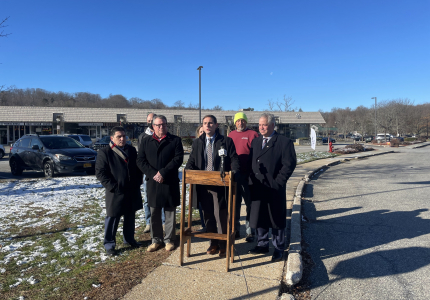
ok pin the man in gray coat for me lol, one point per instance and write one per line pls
(117, 171)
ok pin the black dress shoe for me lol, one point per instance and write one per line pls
(259, 250)
(277, 255)
(249, 238)
(133, 245)
(111, 252)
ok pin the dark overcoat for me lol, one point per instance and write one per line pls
(197, 161)
(271, 168)
(122, 181)
(165, 157)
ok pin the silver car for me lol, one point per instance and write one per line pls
(82, 138)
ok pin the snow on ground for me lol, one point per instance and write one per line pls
(39, 206)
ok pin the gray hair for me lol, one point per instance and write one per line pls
(159, 117)
(269, 117)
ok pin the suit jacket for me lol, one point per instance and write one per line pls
(196, 161)
(271, 168)
(122, 181)
(165, 157)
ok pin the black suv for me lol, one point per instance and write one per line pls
(50, 154)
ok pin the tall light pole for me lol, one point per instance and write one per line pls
(375, 118)
(200, 93)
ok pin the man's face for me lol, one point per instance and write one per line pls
(149, 119)
(240, 125)
(209, 126)
(265, 128)
(160, 127)
(119, 138)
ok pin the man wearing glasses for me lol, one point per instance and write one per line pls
(159, 158)
(147, 134)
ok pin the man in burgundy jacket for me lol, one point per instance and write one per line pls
(242, 138)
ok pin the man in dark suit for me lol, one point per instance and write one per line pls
(273, 162)
(117, 171)
(204, 156)
(160, 157)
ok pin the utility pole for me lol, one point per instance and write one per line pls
(200, 93)
(376, 133)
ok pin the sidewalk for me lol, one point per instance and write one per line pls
(204, 277)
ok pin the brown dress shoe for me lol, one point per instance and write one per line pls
(213, 250)
(222, 253)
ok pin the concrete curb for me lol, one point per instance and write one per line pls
(294, 271)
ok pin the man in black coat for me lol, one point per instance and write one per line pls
(273, 162)
(117, 171)
(144, 135)
(204, 156)
(160, 157)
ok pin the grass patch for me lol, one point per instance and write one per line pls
(51, 242)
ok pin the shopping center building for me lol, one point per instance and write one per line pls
(15, 121)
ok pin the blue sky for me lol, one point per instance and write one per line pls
(322, 53)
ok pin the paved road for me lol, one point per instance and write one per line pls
(369, 228)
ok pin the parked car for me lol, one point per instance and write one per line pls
(82, 138)
(51, 154)
(400, 138)
(368, 138)
(324, 140)
(382, 137)
(104, 142)
(2, 151)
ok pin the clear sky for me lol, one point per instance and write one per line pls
(322, 53)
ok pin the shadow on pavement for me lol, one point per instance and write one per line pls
(354, 232)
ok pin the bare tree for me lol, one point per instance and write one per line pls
(286, 104)
(271, 104)
(2, 25)
(179, 104)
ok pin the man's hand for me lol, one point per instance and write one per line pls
(158, 178)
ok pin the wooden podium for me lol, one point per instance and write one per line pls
(207, 178)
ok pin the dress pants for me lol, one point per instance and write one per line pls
(146, 206)
(157, 225)
(111, 227)
(214, 213)
(278, 238)
(242, 191)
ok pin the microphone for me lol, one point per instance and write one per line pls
(222, 153)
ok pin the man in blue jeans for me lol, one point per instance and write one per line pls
(148, 132)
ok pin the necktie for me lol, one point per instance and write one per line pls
(209, 152)
(264, 143)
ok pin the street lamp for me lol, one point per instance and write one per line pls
(200, 93)
(375, 117)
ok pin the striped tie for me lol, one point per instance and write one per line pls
(209, 166)
(264, 143)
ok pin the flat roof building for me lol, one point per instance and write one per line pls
(16, 121)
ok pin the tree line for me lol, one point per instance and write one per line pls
(13, 96)
(397, 117)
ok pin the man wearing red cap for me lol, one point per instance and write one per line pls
(242, 138)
